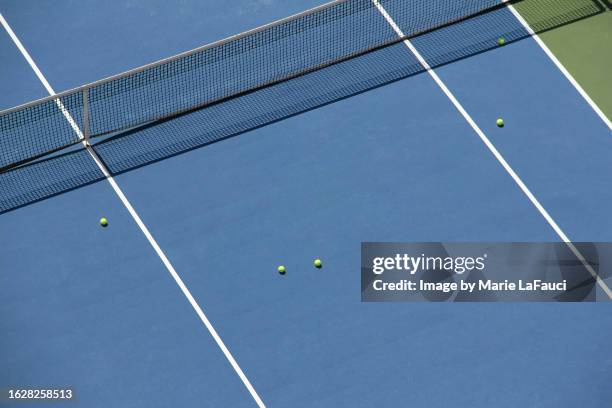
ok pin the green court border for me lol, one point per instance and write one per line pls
(584, 48)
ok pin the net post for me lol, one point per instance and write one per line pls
(86, 114)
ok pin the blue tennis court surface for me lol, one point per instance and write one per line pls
(96, 310)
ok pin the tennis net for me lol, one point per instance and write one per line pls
(275, 53)
(244, 82)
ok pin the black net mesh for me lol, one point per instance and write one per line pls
(248, 81)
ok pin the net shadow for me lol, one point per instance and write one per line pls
(47, 178)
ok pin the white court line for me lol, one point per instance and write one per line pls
(137, 219)
(494, 150)
(560, 66)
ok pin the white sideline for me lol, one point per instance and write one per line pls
(137, 219)
(494, 150)
(560, 66)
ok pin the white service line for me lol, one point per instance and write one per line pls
(137, 219)
(560, 66)
(493, 150)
